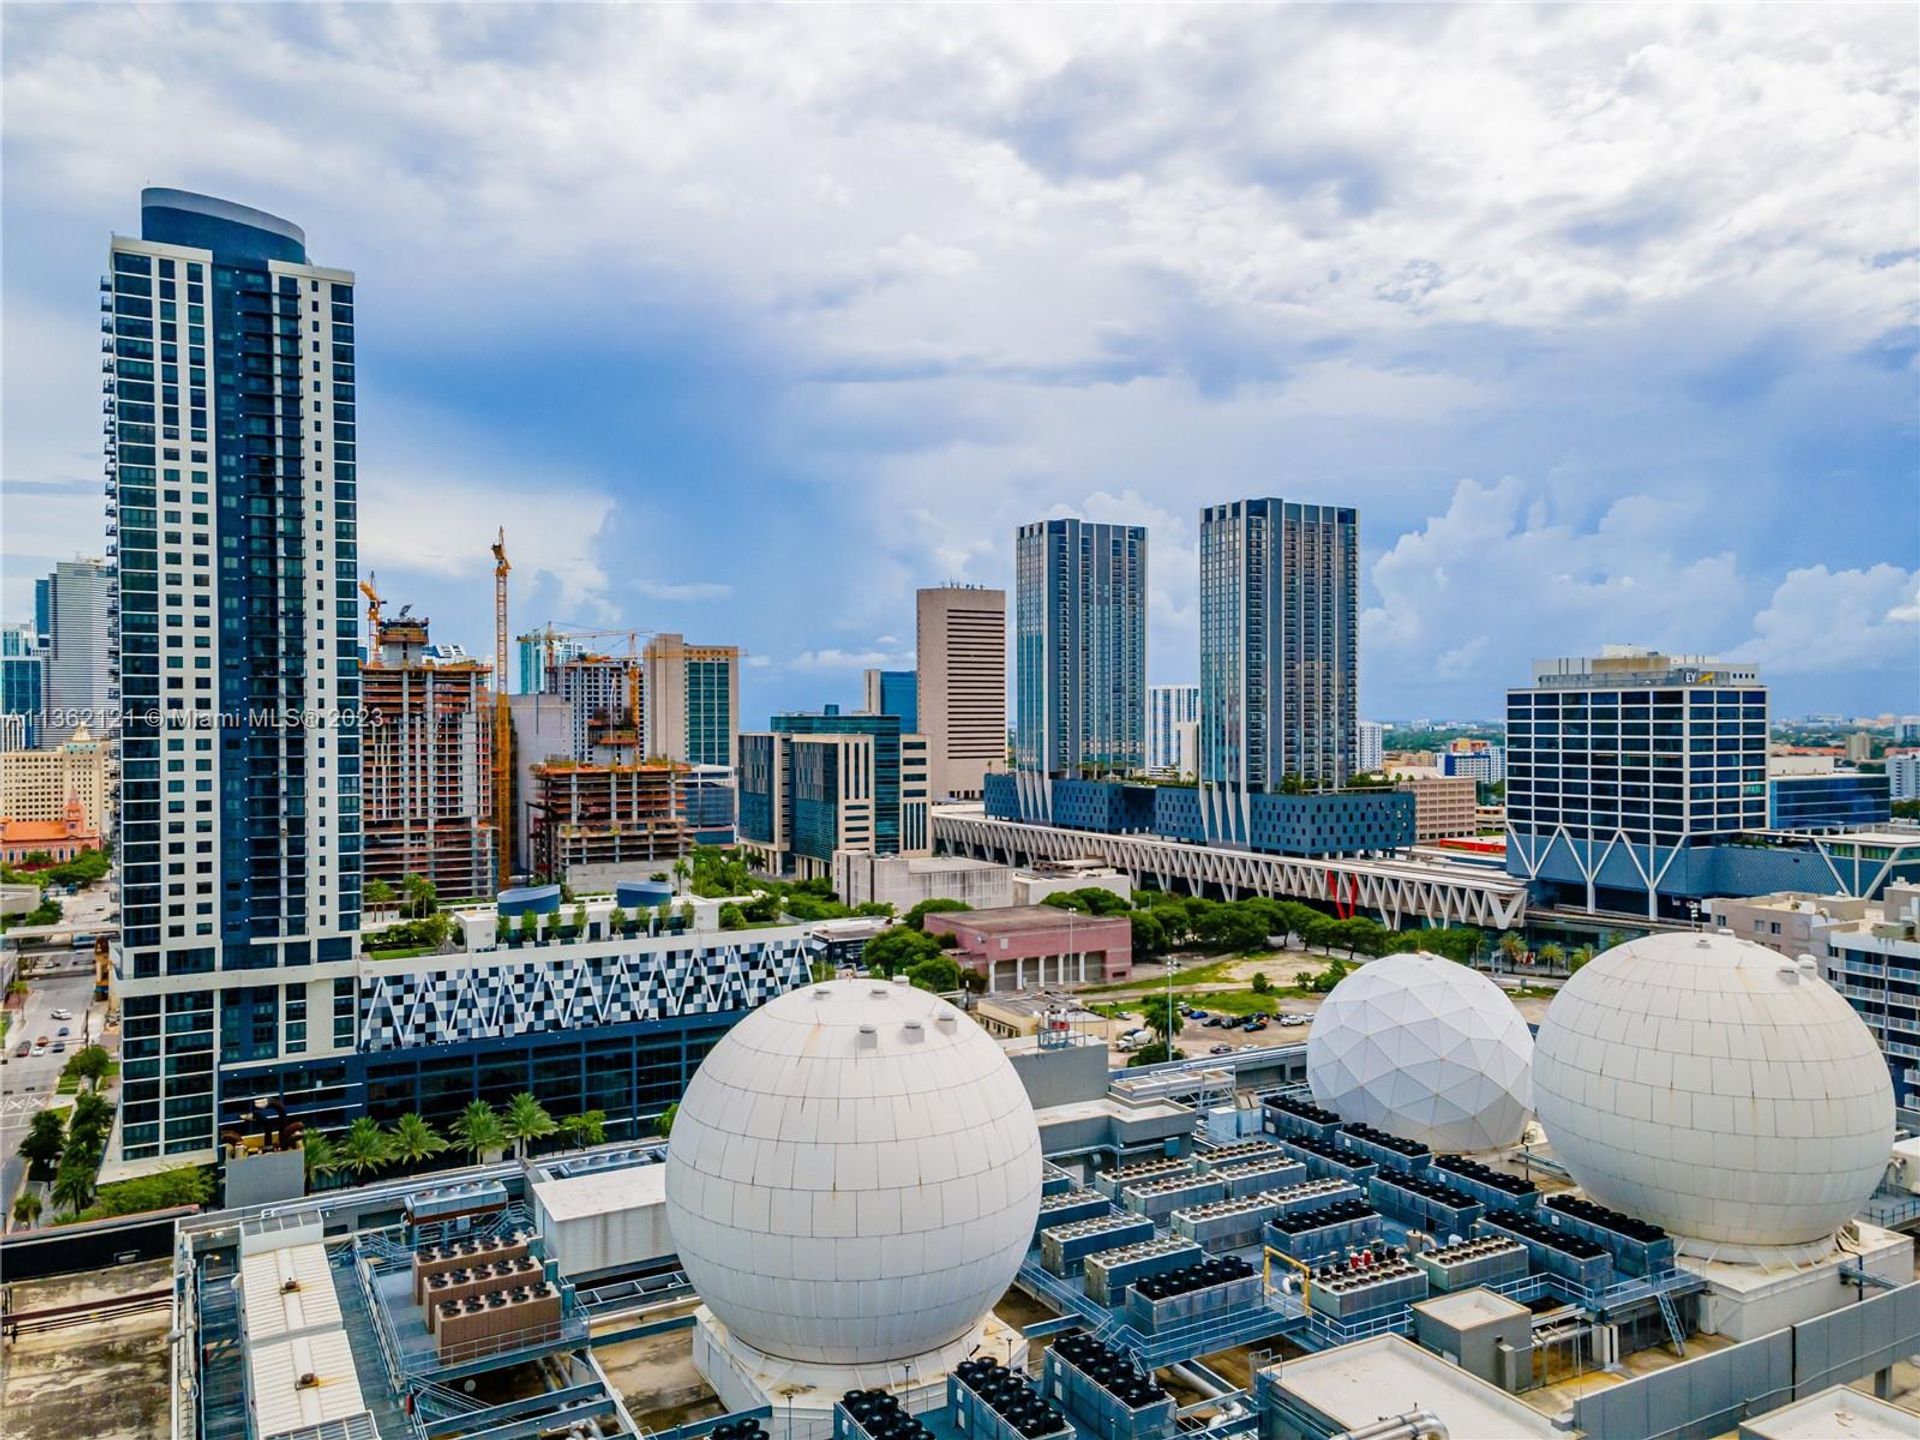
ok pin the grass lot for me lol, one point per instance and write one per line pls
(1213, 973)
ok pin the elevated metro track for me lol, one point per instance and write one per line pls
(1398, 890)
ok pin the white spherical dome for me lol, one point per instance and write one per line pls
(1425, 1049)
(1707, 1085)
(854, 1175)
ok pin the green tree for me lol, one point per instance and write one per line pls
(45, 1140)
(73, 1187)
(1581, 955)
(1551, 955)
(589, 1127)
(378, 894)
(421, 898)
(665, 915)
(680, 873)
(365, 1146)
(1153, 1054)
(319, 1156)
(88, 1065)
(1149, 935)
(686, 914)
(92, 1117)
(525, 1122)
(580, 919)
(1513, 946)
(915, 918)
(617, 921)
(732, 917)
(529, 927)
(26, 1210)
(938, 974)
(664, 1123)
(413, 1140)
(478, 1130)
(897, 948)
(182, 1185)
(874, 908)
(1162, 1016)
(1262, 985)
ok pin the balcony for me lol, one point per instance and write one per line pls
(106, 300)
(106, 325)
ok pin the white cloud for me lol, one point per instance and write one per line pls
(683, 590)
(1822, 621)
(833, 659)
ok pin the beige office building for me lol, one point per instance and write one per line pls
(1444, 806)
(962, 646)
(692, 701)
(36, 784)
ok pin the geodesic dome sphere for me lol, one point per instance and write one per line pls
(1714, 1088)
(1425, 1049)
(854, 1174)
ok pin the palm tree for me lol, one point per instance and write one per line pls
(413, 1140)
(478, 1130)
(680, 872)
(365, 1146)
(1550, 955)
(1579, 957)
(26, 1210)
(321, 1157)
(525, 1122)
(378, 894)
(73, 1188)
(1513, 947)
(587, 1128)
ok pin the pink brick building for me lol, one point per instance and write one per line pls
(1027, 946)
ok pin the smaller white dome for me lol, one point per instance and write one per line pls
(1425, 1049)
(1707, 1085)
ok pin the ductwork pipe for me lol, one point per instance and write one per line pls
(1414, 1425)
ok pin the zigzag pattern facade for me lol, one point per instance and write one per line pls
(1393, 890)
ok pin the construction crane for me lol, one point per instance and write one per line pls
(502, 721)
(374, 602)
(553, 632)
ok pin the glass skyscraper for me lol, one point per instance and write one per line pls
(814, 784)
(894, 692)
(1173, 713)
(1080, 654)
(22, 687)
(1279, 655)
(231, 467)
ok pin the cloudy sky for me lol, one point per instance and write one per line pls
(746, 322)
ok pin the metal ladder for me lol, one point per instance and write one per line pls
(1671, 1314)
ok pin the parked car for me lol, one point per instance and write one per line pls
(1197, 1015)
(1220, 1050)
(64, 1031)
(1252, 1025)
(62, 1014)
(59, 1047)
(1292, 1020)
(26, 1049)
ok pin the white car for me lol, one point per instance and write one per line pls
(1290, 1021)
(39, 1048)
(62, 1014)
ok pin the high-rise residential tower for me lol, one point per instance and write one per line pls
(1172, 713)
(232, 478)
(692, 701)
(79, 666)
(1080, 654)
(962, 643)
(1279, 654)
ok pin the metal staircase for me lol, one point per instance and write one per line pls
(1671, 1314)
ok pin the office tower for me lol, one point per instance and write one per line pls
(1623, 768)
(534, 652)
(1171, 711)
(427, 748)
(43, 614)
(811, 785)
(1369, 746)
(894, 692)
(39, 784)
(231, 468)
(1279, 655)
(78, 683)
(693, 700)
(1080, 654)
(22, 688)
(961, 641)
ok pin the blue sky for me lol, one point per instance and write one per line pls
(746, 322)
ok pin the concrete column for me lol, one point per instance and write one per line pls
(1883, 1384)
(1019, 974)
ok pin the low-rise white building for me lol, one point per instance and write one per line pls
(903, 881)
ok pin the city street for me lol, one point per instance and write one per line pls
(62, 981)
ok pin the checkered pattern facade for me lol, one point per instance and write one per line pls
(564, 988)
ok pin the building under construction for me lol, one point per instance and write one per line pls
(426, 750)
(607, 693)
(606, 815)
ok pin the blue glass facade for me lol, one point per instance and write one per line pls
(896, 692)
(1828, 802)
(1326, 823)
(1279, 654)
(1080, 652)
(800, 801)
(22, 682)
